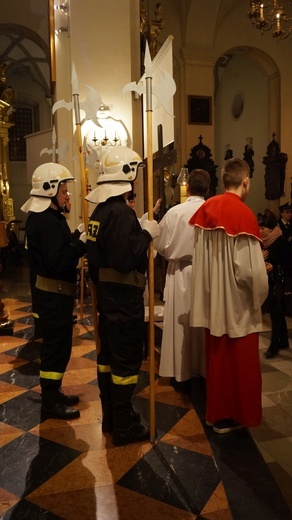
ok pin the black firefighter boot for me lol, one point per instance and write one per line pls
(127, 426)
(105, 394)
(68, 400)
(104, 384)
(53, 406)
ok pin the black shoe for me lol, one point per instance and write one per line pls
(284, 345)
(183, 387)
(271, 352)
(59, 410)
(226, 426)
(136, 433)
(68, 400)
(108, 423)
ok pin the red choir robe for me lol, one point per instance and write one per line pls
(229, 285)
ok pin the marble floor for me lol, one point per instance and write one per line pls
(55, 470)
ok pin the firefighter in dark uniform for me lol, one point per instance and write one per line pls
(285, 224)
(117, 259)
(53, 256)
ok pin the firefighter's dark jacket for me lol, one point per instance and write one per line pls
(53, 251)
(115, 239)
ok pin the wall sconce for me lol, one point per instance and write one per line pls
(62, 17)
(106, 132)
(61, 7)
(61, 30)
(105, 141)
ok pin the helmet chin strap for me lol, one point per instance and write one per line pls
(56, 203)
(131, 194)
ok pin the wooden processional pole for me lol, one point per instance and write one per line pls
(148, 76)
(84, 203)
(164, 95)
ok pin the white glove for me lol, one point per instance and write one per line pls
(81, 227)
(152, 227)
(83, 237)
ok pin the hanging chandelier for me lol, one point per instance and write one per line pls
(271, 15)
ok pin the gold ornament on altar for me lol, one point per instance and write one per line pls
(7, 96)
(150, 29)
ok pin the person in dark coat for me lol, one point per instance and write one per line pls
(285, 224)
(285, 221)
(277, 255)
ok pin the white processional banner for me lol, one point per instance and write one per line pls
(162, 68)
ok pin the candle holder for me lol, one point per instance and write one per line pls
(183, 177)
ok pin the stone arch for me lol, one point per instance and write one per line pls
(254, 74)
(25, 53)
(272, 73)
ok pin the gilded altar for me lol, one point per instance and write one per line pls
(7, 96)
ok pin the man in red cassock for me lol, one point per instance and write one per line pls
(229, 285)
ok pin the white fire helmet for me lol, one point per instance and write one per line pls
(47, 177)
(119, 164)
(118, 169)
(45, 183)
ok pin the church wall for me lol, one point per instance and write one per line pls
(100, 45)
(104, 45)
(237, 30)
(198, 82)
(252, 122)
(103, 57)
(202, 33)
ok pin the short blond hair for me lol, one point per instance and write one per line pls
(234, 171)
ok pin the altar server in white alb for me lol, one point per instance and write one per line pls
(182, 349)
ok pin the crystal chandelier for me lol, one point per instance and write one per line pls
(271, 15)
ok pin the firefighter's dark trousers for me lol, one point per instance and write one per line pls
(55, 315)
(121, 331)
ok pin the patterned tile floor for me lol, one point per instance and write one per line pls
(55, 470)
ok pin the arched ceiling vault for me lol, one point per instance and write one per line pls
(26, 54)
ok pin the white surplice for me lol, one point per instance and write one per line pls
(229, 283)
(182, 348)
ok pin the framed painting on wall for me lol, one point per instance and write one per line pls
(199, 110)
